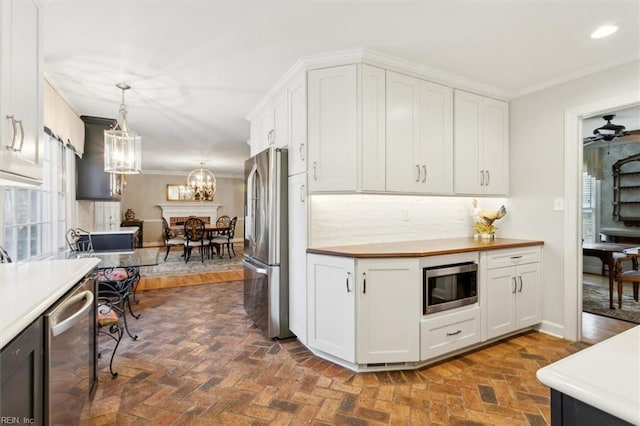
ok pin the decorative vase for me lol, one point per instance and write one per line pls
(484, 236)
(129, 215)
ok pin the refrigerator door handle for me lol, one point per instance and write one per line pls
(261, 271)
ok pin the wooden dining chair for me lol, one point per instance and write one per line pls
(170, 238)
(226, 238)
(194, 234)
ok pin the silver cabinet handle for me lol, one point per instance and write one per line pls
(424, 169)
(515, 285)
(520, 279)
(364, 283)
(454, 333)
(348, 277)
(481, 177)
(302, 193)
(15, 132)
(487, 178)
(417, 172)
(21, 135)
(515, 257)
(302, 152)
(315, 170)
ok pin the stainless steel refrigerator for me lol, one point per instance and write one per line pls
(266, 252)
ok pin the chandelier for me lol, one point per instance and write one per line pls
(122, 146)
(202, 183)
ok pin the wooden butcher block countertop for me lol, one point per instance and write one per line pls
(422, 248)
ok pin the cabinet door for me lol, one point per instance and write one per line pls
(500, 301)
(298, 125)
(404, 159)
(467, 154)
(388, 310)
(297, 257)
(21, 373)
(332, 129)
(21, 90)
(495, 146)
(280, 135)
(372, 162)
(331, 304)
(528, 296)
(436, 138)
(258, 141)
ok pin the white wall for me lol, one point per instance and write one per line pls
(537, 166)
(366, 218)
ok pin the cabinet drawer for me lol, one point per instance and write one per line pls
(450, 332)
(502, 258)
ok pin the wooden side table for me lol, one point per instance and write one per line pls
(137, 223)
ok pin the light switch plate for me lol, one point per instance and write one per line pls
(558, 204)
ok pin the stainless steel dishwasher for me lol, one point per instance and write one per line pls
(70, 354)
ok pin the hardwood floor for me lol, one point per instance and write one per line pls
(596, 328)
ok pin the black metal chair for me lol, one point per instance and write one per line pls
(226, 238)
(79, 240)
(117, 285)
(108, 322)
(194, 234)
(4, 256)
(170, 238)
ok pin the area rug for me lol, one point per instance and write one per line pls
(595, 299)
(175, 265)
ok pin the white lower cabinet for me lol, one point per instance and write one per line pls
(513, 293)
(445, 333)
(331, 305)
(364, 311)
(388, 306)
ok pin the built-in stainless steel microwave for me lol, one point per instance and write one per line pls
(449, 286)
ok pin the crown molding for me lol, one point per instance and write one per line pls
(378, 59)
(582, 72)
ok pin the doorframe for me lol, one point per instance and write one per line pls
(572, 212)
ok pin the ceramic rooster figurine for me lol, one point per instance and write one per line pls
(483, 219)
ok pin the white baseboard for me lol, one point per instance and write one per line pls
(552, 328)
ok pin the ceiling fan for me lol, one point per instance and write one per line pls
(610, 132)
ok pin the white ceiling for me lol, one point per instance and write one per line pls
(197, 68)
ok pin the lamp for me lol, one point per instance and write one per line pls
(122, 146)
(202, 183)
(609, 131)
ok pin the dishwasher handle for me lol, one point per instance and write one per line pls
(261, 271)
(57, 328)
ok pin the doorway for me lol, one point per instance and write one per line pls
(572, 219)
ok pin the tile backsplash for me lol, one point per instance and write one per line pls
(340, 219)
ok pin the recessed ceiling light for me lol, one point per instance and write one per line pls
(604, 31)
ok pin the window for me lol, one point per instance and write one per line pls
(589, 208)
(35, 218)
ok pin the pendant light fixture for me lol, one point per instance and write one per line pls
(202, 183)
(122, 146)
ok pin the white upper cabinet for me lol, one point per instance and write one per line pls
(21, 91)
(481, 153)
(298, 125)
(332, 130)
(346, 119)
(419, 119)
(271, 126)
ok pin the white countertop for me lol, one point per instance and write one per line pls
(28, 289)
(605, 375)
(116, 230)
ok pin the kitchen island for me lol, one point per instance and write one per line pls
(372, 307)
(119, 238)
(598, 385)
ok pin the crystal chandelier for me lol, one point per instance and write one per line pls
(122, 146)
(202, 183)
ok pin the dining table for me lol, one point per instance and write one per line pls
(211, 230)
(606, 252)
